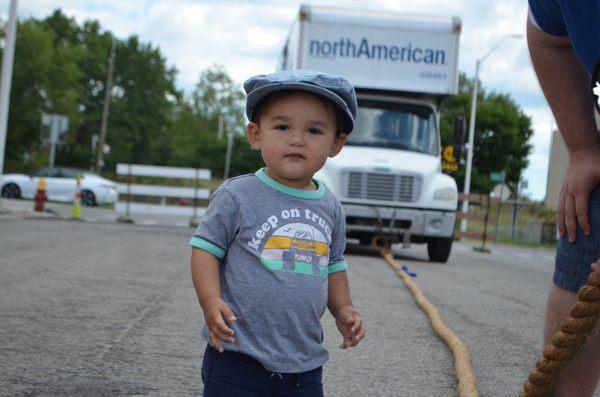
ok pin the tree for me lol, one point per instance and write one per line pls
(45, 79)
(502, 131)
(194, 136)
(144, 99)
(61, 67)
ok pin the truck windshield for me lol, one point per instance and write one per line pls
(395, 126)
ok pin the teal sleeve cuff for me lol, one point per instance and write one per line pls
(207, 246)
(337, 267)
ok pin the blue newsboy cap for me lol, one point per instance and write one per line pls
(335, 88)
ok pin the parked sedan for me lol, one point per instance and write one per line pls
(61, 184)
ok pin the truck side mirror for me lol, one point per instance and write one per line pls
(459, 136)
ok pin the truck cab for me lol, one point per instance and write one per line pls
(388, 177)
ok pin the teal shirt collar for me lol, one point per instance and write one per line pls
(303, 194)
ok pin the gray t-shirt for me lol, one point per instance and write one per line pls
(277, 247)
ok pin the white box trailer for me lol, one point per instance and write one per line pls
(388, 177)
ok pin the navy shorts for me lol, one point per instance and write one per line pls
(231, 374)
(573, 260)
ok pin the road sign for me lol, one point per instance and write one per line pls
(497, 176)
(448, 159)
(57, 125)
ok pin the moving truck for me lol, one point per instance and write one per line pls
(389, 176)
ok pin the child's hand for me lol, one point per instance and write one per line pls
(215, 313)
(350, 325)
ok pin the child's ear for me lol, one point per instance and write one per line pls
(253, 134)
(338, 144)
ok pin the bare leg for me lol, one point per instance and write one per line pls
(582, 376)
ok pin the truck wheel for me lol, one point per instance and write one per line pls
(438, 249)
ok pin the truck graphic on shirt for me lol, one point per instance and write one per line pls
(303, 248)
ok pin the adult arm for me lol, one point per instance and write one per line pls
(565, 83)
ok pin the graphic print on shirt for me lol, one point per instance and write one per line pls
(298, 246)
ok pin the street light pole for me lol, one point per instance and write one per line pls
(106, 107)
(467, 188)
(6, 78)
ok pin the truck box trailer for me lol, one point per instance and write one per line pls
(389, 176)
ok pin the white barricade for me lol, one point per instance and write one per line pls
(163, 192)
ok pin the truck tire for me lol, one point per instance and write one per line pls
(438, 249)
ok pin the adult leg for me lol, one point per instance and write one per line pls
(581, 378)
(572, 269)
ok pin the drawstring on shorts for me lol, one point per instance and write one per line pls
(278, 375)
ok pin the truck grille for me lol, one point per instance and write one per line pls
(382, 187)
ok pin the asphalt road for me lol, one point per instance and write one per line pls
(99, 308)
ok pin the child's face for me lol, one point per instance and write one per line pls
(296, 134)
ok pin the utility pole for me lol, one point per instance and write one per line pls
(228, 155)
(467, 186)
(106, 108)
(6, 78)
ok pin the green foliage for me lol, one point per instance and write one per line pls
(45, 80)
(195, 133)
(61, 67)
(502, 131)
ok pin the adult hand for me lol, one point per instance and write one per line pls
(583, 175)
(215, 313)
(350, 325)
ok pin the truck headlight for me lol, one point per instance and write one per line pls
(446, 194)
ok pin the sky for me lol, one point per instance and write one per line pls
(246, 37)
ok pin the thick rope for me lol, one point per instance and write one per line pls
(467, 385)
(567, 342)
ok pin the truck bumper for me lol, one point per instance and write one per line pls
(393, 220)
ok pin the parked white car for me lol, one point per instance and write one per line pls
(61, 184)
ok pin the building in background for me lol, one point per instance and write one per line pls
(557, 167)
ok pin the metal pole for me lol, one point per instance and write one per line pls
(194, 214)
(53, 138)
(106, 107)
(6, 79)
(128, 190)
(515, 213)
(513, 224)
(487, 216)
(228, 156)
(465, 203)
(498, 211)
(467, 189)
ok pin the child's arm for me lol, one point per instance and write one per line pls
(347, 319)
(205, 275)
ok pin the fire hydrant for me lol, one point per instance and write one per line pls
(40, 195)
